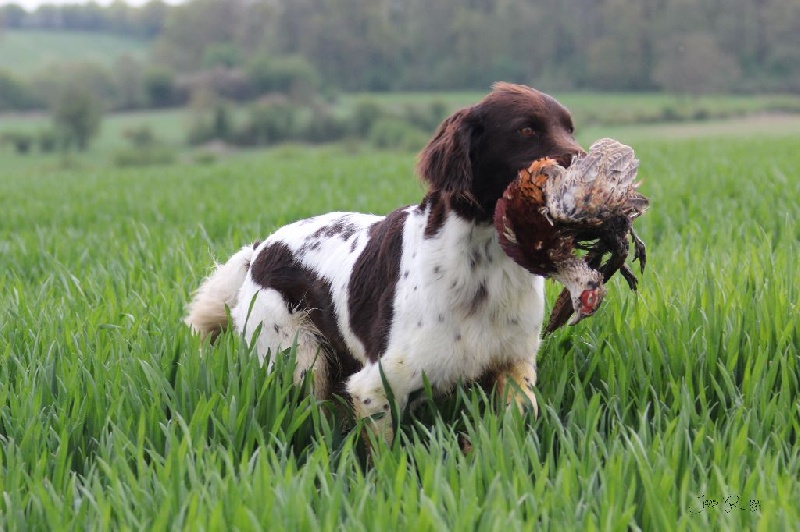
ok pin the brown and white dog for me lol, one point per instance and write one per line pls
(425, 290)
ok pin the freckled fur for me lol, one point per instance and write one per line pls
(426, 290)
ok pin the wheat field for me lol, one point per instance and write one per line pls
(674, 408)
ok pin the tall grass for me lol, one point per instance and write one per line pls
(113, 416)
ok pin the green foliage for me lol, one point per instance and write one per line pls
(159, 86)
(364, 116)
(145, 149)
(268, 122)
(77, 112)
(120, 18)
(684, 66)
(48, 140)
(24, 141)
(112, 416)
(210, 118)
(221, 54)
(276, 119)
(15, 94)
(20, 141)
(150, 155)
(325, 126)
(391, 45)
(426, 117)
(290, 74)
(128, 75)
(394, 133)
(140, 136)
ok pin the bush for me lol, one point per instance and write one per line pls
(210, 119)
(324, 126)
(140, 136)
(365, 114)
(670, 113)
(205, 157)
(290, 74)
(228, 83)
(159, 87)
(270, 121)
(16, 95)
(396, 134)
(77, 113)
(426, 117)
(221, 54)
(20, 141)
(144, 156)
(48, 140)
(144, 150)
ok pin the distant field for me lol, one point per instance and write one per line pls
(676, 408)
(603, 109)
(26, 52)
(629, 117)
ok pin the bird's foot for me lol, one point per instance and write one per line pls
(629, 276)
(639, 250)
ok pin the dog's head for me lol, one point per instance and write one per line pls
(477, 151)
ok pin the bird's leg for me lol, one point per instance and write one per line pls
(629, 276)
(619, 252)
(639, 249)
(594, 258)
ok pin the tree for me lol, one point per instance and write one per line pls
(695, 64)
(11, 16)
(284, 74)
(128, 77)
(159, 86)
(15, 94)
(151, 18)
(78, 113)
(194, 26)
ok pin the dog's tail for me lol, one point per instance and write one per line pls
(206, 314)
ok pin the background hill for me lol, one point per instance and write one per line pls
(26, 52)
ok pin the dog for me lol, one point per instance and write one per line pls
(425, 292)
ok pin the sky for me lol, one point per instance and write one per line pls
(32, 4)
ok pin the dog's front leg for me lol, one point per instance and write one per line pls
(370, 398)
(515, 384)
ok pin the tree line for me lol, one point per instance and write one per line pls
(118, 17)
(205, 53)
(385, 45)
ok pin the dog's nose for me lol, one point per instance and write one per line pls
(565, 159)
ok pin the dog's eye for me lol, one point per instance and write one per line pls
(527, 131)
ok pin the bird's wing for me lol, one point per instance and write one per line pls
(596, 186)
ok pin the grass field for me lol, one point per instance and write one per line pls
(28, 51)
(674, 409)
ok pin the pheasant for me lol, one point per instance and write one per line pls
(549, 213)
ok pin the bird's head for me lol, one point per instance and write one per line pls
(587, 301)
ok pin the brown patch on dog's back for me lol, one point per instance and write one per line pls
(373, 282)
(304, 290)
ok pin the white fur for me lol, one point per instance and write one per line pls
(438, 328)
(503, 331)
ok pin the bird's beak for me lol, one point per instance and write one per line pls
(576, 317)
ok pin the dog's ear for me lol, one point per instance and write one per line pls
(445, 163)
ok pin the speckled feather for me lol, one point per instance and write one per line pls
(596, 187)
